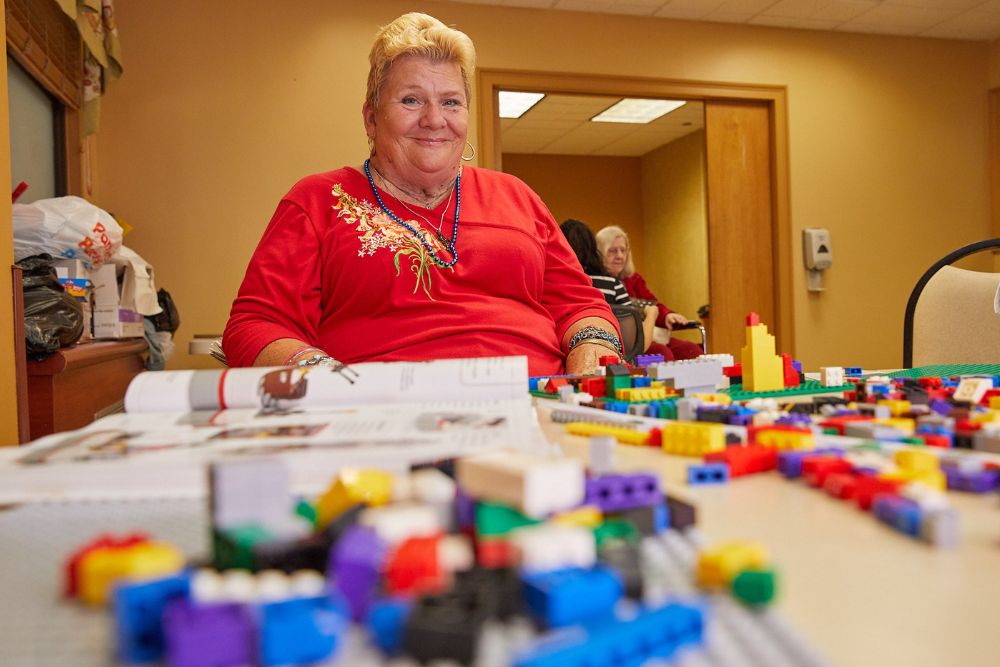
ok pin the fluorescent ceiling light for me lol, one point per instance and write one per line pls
(636, 110)
(513, 105)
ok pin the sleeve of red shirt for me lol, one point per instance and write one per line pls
(638, 289)
(280, 294)
(568, 294)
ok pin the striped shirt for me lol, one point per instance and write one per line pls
(612, 289)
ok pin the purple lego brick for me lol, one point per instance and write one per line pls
(613, 493)
(465, 510)
(941, 407)
(901, 513)
(355, 564)
(979, 481)
(645, 360)
(208, 635)
(794, 419)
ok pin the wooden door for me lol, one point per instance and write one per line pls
(741, 235)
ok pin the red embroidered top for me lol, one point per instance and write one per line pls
(636, 287)
(333, 270)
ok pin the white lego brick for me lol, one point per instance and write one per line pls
(582, 397)
(831, 376)
(430, 485)
(566, 393)
(551, 547)
(941, 528)
(602, 454)
(687, 409)
(251, 492)
(699, 375)
(455, 553)
(968, 463)
(401, 521)
(725, 359)
(972, 390)
(535, 484)
(986, 440)
(929, 500)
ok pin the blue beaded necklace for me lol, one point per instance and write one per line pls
(448, 244)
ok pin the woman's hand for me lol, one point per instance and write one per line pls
(585, 358)
(675, 318)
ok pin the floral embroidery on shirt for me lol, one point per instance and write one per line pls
(377, 230)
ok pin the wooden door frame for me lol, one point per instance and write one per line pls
(491, 81)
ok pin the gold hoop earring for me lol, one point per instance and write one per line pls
(371, 146)
(471, 157)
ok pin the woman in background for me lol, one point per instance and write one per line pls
(616, 255)
(412, 256)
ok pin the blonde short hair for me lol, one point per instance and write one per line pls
(417, 34)
(609, 235)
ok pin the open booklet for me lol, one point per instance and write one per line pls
(387, 415)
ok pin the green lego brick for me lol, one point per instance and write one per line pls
(542, 394)
(233, 548)
(307, 511)
(754, 587)
(912, 440)
(808, 387)
(616, 529)
(947, 370)
(494, 519)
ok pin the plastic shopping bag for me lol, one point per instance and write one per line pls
(68, 227)
(52, 318)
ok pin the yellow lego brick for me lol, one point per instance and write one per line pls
(350, 487)
(717, 399)
(587, 516)
(994, 402)
(102, 568)
(903, 424)
(916, 460)
(623, 394)
(986, 417)
(628, 436)
(657, 384)
(934, 479)
(693, 438)
(763, 370)
(785, 440)
(897, 408)
(717, 567)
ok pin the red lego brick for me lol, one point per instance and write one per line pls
(851, 395)
(868, 487)
(594, 386)
(495, 553)
(965, 426)
(935, 439)
(608, 360)
(413, 568)
(815, 469)
(752, 431)
(791, 375)
(930, 382)
(736, 370)
(841, 485)
(745, 460)
(552, 386)
(655, 437)
(71, 568)
(753, 319)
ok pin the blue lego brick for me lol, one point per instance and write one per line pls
(708, 473)
(300, 630)
(852, 371)
(797, 365)
(533, 384)
(641, 382)
(572, 595)
(661, 517)
(652, 633)
(901, 513)
(386, 621)
(138, 609)
(616, 492)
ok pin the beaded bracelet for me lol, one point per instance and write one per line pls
(602, 343)
(298, 353)
(591, 334)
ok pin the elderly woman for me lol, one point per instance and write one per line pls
(613, 245)
(413, 256)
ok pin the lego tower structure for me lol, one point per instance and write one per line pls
(762, 367)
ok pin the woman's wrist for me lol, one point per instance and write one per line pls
(304, 354)
(593, 334)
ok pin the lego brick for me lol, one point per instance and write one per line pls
(762, 368)
(708, 473)
(623, 434)
(782, 437)
(682, 515)
(901, 513)
(350, 487)
(234, 547)
(573, 595)
(601, 454)
(553, 547)
(444, 627)
(700, 375)
(250, 492)
(537, 485)
(208, 635)
(745, 460)
(355, 567)
(623, 557)
(649, 520)
(413, 568)
(615, 530)
(71, 566)
(499, 590)
(974, 481)
(718, 566)
(494, 520)
(398, 522)
(755, 587)
(138, 609)
(831, 376)
(586, 516)
(299, 630)
(868, 488)
(102, 568)
(692, 439)
(616, 492)
(815, 470)
(385, 623)
(972, 390)
(940, 529)
(493, 553)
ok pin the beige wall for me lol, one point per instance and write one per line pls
(599, 191)
(219, 112)
(8, 384)
(675, 223)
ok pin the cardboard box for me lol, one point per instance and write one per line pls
(117, 323)
(71, 268)
(105, 287)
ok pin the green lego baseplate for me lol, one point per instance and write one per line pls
(947, 370)
(808, 387)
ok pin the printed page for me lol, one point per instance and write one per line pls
(290, 388)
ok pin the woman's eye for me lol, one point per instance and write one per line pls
(453, 103)
(410, 101)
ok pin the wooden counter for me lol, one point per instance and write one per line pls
(80, 383)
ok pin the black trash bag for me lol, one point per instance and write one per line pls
(169, 319)
(52, 318)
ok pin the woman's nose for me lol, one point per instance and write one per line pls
(432, 116)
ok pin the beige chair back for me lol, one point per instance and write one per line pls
(955, 321)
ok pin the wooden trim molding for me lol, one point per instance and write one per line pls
(47, 44)
(491, 81)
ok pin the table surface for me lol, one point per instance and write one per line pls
(860, 592)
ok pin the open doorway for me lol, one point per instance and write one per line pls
(749, 247)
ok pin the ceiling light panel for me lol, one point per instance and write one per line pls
(514, 104)
(637, 110)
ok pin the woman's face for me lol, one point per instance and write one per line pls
(422, 120)
(616, 256)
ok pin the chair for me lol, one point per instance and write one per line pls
(662, 335)
(630, 322)
(951, 316)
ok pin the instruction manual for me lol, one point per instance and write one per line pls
(388, 415)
